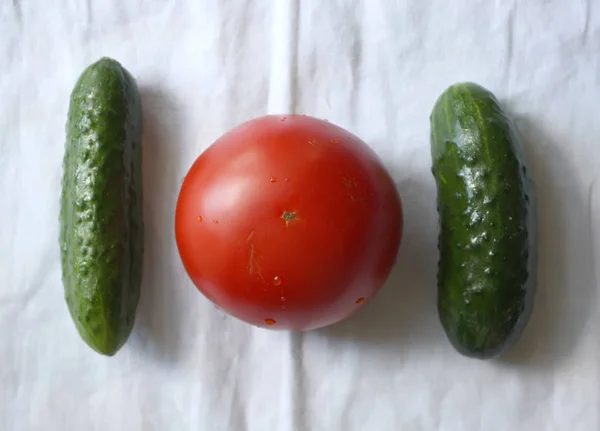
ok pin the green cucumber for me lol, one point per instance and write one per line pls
(487, 222)
(101, 220)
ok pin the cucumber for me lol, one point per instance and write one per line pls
(101, 220)
(487, 222)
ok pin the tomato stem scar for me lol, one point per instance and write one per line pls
(288, 217)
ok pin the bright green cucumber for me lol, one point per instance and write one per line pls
(487, 239)
(101, 220)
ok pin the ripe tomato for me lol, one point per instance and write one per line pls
(288, 222)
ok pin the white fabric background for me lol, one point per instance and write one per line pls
(374, 67)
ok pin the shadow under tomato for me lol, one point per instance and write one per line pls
(404, 312)
(566, 287)
(157, 330)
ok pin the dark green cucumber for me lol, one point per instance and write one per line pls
(101, 220)
(487, 239)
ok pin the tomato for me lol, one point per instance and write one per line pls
(288, 222)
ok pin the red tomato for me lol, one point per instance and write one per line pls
(288, 222)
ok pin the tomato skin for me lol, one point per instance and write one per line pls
(288, 222)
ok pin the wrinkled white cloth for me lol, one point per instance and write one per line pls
(373, 67)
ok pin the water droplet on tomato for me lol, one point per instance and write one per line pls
(199, 218)
(270, 322)
(283, 299)
(286, 180)
(272, 179)
(334, 141)
(283, 119)
(277, 281)
(216, 221)
(360, 300)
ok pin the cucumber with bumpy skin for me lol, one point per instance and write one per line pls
(101, 221)
(487, 238)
